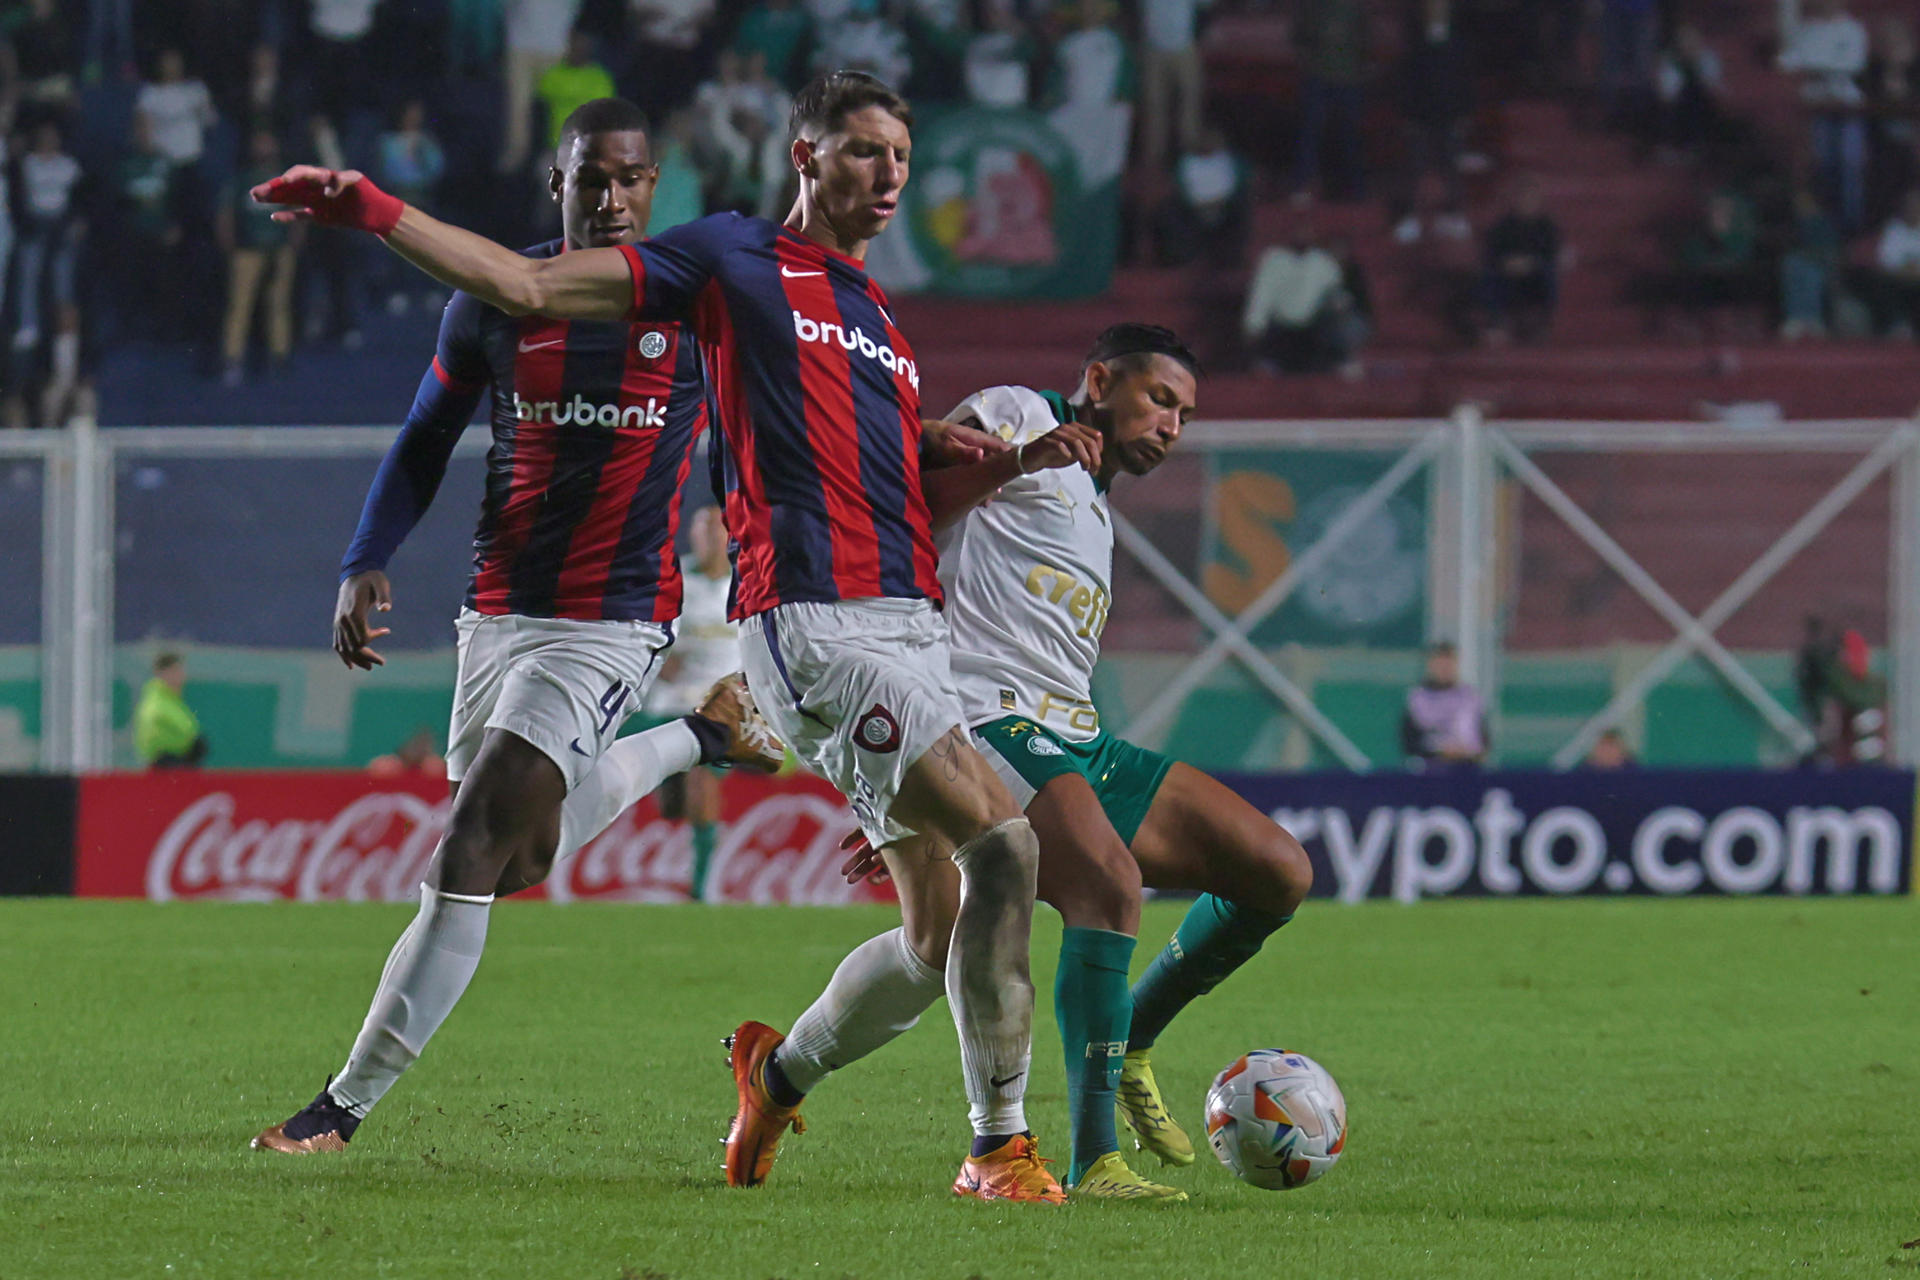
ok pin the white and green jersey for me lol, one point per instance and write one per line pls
(1028, 578)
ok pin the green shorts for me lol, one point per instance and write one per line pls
(1027, 756)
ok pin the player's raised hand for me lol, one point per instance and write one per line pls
(359, 595)
(331, 197)
(950, 444)
(1065, 445)
(864, 861)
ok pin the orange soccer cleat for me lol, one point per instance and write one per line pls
(321, 1125)
(760, 1122)
(1011, 1171)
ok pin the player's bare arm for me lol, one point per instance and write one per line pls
(361, 594)
(951, 492)
(592, 284)
(949, 444)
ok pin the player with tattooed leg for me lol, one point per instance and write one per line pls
(1028, 577)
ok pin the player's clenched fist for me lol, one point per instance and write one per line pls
(331, 197)
(1066, 444)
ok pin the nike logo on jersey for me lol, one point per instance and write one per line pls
(1001, 1082)
(526, 346)
(575, 744)
(791, 274)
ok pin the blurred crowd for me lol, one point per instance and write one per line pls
(130, 131)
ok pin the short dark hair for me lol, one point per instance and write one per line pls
(167, 661)
(1130, 345)
(601, 115)
(829, 99)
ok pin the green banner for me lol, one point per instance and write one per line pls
(1002, 206)
(1266, 508)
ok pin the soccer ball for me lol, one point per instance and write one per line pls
(1276, 1119)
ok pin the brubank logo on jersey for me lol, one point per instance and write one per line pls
(578, 412)
(856, 339)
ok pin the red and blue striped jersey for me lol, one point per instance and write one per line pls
(818, 399)
(594, 426)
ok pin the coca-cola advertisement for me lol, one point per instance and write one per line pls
(346, 837)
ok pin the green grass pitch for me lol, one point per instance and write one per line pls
(1597, 1088)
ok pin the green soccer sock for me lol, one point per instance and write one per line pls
(1214, 939)
(702, 855)
(1090, 1002)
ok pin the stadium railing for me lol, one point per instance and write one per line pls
(1275, 585)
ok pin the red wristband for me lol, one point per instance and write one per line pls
(360, 206)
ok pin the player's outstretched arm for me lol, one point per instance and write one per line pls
(951, 492)
(594, 284)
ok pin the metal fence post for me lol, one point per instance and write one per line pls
(1903, 601)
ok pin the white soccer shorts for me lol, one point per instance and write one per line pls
(564, 685)
(859, 689)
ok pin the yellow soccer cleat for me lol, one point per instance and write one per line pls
(1139, 1106)
(1110, 1179)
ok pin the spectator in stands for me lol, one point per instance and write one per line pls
(999, 59)
(743, 115)
(1688, 93)
(411, 166)
(1307, 308)
(337, 265)
(1893, 101)
(680, 192)
(1445, 723)
(1172, 87)
(865, 39)
(1827, 49)
(1719, 258)
(1845, 698)
(536, 35)
(418, 756)
(1807, 268)
(1629, 34)
(576, 79)
(51, 229)
(66, 388)
(110, 45)
(180, 109)
(1520, 275)
(261, 257)
(1610, 751)
(665, 44)
(39, 46)
(265, 99)
(1893, 282)
(150, 228)
(1091, 63)
(6, 211)
(1331, 37)
(338, 57)
(166, 733)
(1208, 213)
(1435, 103)
(780, 31)
(473, 36)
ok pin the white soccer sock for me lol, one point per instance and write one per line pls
(425, 975)
(629, 769)
(878, 992)
(988, 984)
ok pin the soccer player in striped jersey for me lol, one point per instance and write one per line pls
(1029, 581)
(818, 397)
(571, 606)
